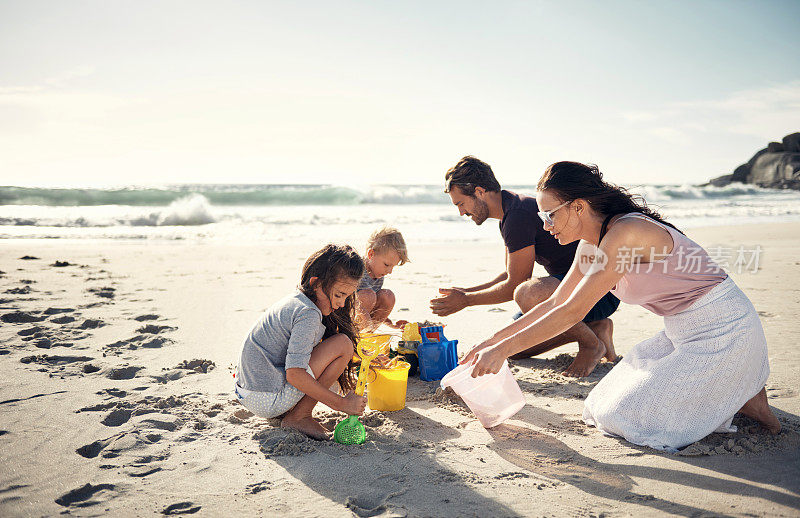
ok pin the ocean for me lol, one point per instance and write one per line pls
(322, 213)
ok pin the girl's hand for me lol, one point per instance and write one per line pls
(488, 361)
(353, 404)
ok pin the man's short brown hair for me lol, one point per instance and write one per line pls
(470, 173)
(389, 238)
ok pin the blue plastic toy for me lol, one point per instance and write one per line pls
(437, 355)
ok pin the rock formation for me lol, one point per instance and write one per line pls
(777, 166)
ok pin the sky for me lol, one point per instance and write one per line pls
(99, 93)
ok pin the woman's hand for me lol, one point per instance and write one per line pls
(472, 352)
(353, 404)
(488, 361)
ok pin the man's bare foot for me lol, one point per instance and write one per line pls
(586, 360)
(604, 329)
(758, 409)
(307, 425)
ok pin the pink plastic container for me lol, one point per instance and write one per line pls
(493, 398)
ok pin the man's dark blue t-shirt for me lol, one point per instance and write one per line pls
(521, 227)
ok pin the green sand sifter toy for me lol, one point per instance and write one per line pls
(350, 430)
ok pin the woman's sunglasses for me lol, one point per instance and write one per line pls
(547, 216)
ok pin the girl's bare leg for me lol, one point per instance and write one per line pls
(328, 361)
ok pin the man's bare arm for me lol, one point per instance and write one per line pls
(519, 267)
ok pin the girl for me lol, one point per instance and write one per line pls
(690, 379)
(303, 344)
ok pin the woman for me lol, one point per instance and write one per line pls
(689, 380)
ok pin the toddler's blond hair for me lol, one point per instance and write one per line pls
(389, 238)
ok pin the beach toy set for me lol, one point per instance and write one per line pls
(387, 390)
(493, 398)
(350, 430)
(408, 345)
(437, 355)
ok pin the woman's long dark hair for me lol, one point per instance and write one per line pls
(572, 180)
(331, 264)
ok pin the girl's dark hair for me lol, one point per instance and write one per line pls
(573, 180)
(331, 264)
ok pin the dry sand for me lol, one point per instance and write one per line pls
(115, 372)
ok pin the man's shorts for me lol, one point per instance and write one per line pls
(604, 308)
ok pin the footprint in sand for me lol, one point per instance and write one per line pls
(91, 323)
(30, 331)
(54, 360)
(106, 292)
(122, 373)
(117, 417)
(142, 471)
(56, 311)
(198, 365)
(86, 496)
(66, 319)
(143, 318)
(43, 343)
(20, 317)
(366, 506)
(157, 342)
(138, 341)
(181, 508)
(157, 421)
(154, 329)
(170, 375)
(780, 392)
(20, 291)
(117, 444)
(258, 487)
(115, 392)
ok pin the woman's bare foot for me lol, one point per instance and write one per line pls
(758, 409)
(604, 329)
(307, 425)
(589, 355)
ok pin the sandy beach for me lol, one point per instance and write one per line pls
(116, 361)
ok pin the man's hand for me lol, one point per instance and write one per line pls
(451, 301)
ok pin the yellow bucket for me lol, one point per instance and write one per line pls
(388, 390)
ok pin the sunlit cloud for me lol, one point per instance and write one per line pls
(768, 113)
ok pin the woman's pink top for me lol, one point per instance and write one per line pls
(671, 283)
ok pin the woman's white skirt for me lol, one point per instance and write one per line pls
(688, 380)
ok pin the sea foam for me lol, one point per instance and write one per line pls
(190, 210)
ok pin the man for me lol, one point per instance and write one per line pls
(476, 192)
